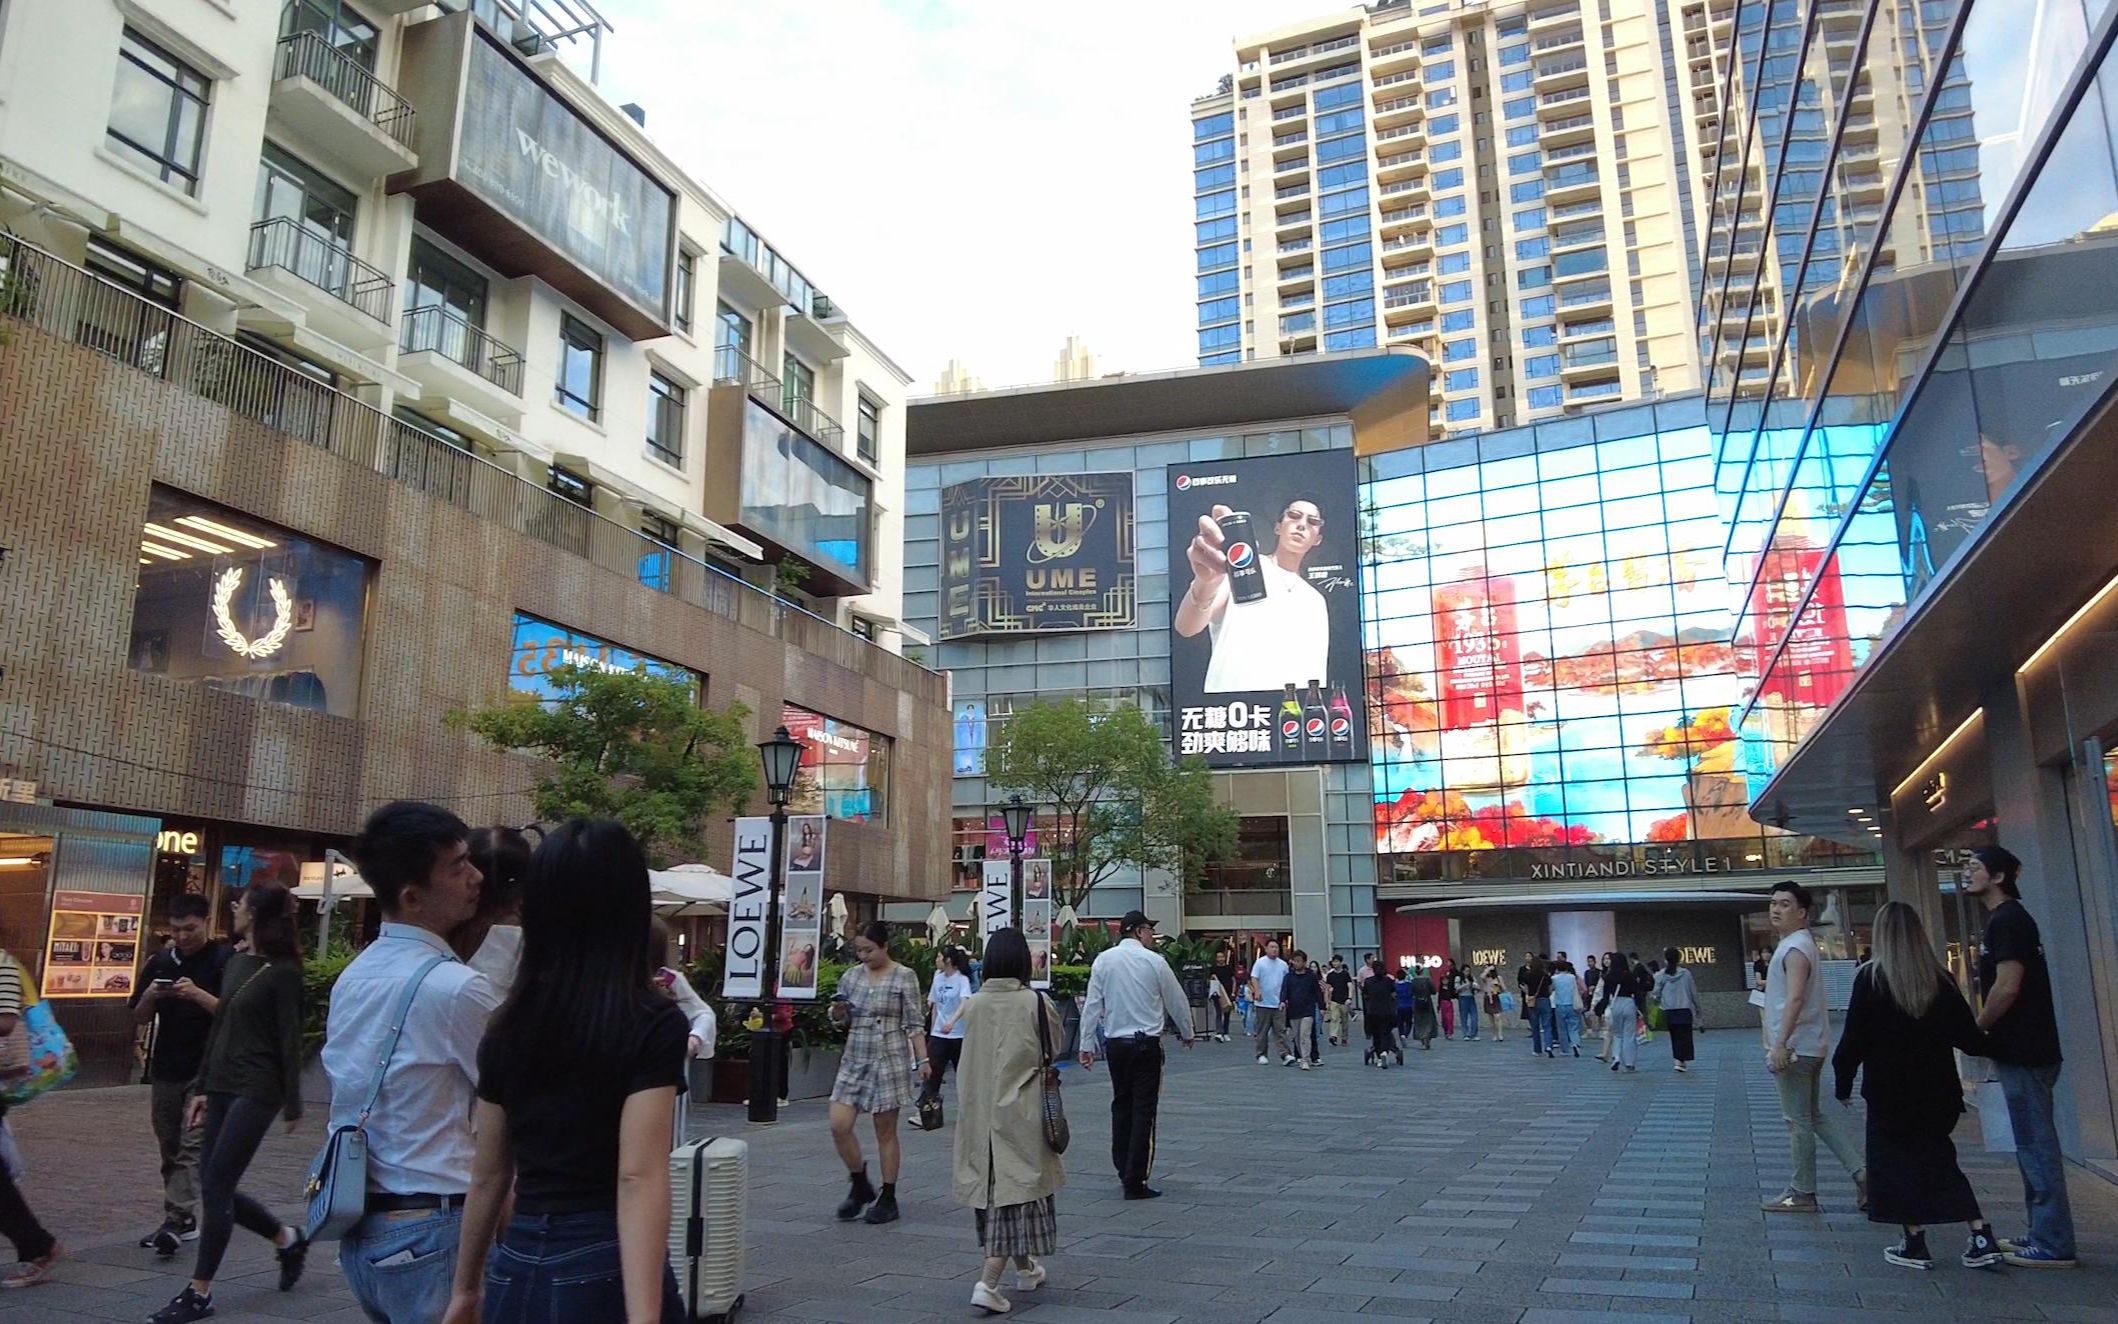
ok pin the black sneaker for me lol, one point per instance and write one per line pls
(186, 1306)
(1911, 1253)
(858, 1197)
(1984, 1251)
(291, 1261)
(175, 1229)
(884, 1210)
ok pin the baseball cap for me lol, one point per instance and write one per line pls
(1133, 920)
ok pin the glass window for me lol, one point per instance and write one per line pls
(1451, 264)
(1530, 249)
(158, 112)
(1529, 190)
(1218, 256)
(735, 329)
(1448, 151)
(1220, 282)
(434, 278)
(1461, 411)
(290, 189)
(1533, 278)
(1352, 255)
(1455, 291)
(1338, 176)
(1220, 337)
(345, 31)
(580, 386)
(665, 419)
(1330, 98)
(1449, 235)
(1350, 227)
(1212, 177)
(844, 774)
(1544, 397)
(1338, 204)
(1352, 282)
(1462, 320)
(1542, 305)
(1441, 96)
(1440, 71)
(1463, 379)
(800, 494)
(1216, 204)
(1539, 366)
(1443, 125)
(1518, 107)
(1522, 135)
(1220, 149)
(1213, 126)
(1339, 149)
(1453, 205)
(1457, 351)
(1535, 336)
(1220, 228)
(1514, 55)
(1444, 180)
(1220, 310)
(687, 281)
(541, 647)
(1357, 338)
(562, 481)
(1340, 315)
(226, 601)
(1517, 80)
(869, 429)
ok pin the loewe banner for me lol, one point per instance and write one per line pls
(996, 902)
(749, 909)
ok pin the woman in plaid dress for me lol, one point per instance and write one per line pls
(880, 1004)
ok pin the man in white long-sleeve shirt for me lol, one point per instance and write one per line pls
(1132, 995)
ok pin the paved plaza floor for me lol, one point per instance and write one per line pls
(1478, 1185)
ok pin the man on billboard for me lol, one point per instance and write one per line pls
(1270, 626)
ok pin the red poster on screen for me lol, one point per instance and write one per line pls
(1481, 658)
(1817, 662)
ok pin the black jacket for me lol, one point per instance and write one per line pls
(1379, 999)
(1908, 1075)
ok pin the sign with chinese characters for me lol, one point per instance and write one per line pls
(802, 922)
(94, 945)
(996, 905)
(1034, 552)
(749, 909)
(1265, 611)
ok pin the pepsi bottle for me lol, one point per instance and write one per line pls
(1315, 721)
(1246, 583)
(1290, 718)
(1341, 724)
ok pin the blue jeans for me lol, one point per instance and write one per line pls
(1467, 1014)
(1541, 1029)
(402, 1266)
(564, 1269)
(2044, 1179)
(1569, 1028)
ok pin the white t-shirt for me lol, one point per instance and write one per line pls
(947, 997)
(1270, 972)
(1283, 636)
(1812, 1029)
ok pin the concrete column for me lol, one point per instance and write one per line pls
(1309, 861)
(1909, 876)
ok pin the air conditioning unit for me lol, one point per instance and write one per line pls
(709, 1183)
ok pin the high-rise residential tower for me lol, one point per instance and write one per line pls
(1512, 186)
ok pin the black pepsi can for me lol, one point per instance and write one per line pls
(1246, 582)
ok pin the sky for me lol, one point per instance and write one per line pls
(967, 179)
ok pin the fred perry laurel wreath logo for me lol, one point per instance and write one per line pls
(266, 644)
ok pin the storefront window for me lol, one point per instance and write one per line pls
(541, 646)
(227, 601)
(846, 771)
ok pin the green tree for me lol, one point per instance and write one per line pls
(630, 746)
(1103, 777)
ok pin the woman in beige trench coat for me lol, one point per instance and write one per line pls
(1004, 1170)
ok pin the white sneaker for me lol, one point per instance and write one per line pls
(987, 1299)
(1286, 1059)
(1261, 1059)
(1030, 1279)
(1305, 1064)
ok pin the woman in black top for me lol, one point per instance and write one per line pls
(1379, 999)
(1903, 1019)
(251, 1070)
(1223, 970)
(577, 1091)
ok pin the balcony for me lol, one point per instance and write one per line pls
(300, 263)
(1556, 41)
(1579, 236)
(1297, 275)
(1395, 55)
(1401, 165)
(1405, 190)
(1566, 130)
(1291, 165)
(49, 297)
(1594, 392)
(1602, 326)
(1289, 192)
(1294, 139)
(454, 360)
(1582, 362)
(1393, 80)
(1552, 104)
(339, 110)
(1410, 135)
(1394, 111)
(1555, 14)
(780, 479)
(1573, 182)
(1420, 242)
(1293, 218)
(732, 367)
(1410, 271)
(1296, 246)
(1552, 75)
(1587, 298)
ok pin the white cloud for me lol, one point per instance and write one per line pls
(973, 179)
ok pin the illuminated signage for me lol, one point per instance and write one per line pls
(1936, 791)
(177, 843)
(1490, 956)
(541, 646)
(1038, 552)
(266, 644)
(1696, 955)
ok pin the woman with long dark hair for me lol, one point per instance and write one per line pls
(577, 1090)
(878, 1002)
(1543, 1025)
(491, 939)
(1677, 993)
(1904, 1017)
(250, 1071)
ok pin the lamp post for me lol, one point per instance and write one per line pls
(782, 757)
(1015, 815)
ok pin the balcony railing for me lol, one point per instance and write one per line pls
(69, 304)
(1392, 80)
(1589, 356)
(1595, 294)
(308, 55)
(322, 261)
(442, 330)
(732, 367)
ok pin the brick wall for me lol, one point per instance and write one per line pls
(82, 439)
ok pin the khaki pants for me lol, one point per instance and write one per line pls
(1335, 1020)
(179, 1147)
(1271, 1027)
(1800, 1087)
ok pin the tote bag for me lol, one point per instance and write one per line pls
(37, 1044)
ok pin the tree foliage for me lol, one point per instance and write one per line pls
(630, 746)
(1102, 777)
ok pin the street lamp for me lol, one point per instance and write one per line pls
(1015, 816)
(782, 757)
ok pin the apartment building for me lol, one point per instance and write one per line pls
(1510, 186)
(360, 363)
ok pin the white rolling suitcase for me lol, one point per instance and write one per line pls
(709, 1184)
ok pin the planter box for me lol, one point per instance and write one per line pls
(1070, 1020)
(731, 1080)
(811, 1072)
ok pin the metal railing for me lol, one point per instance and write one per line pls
(43, 292)
(1392, 80)
(1555, 42)
(1295, 139)
(1396, 159)
(308, 55)
(1588, 356)
(1558, 67)
(322, 261)
(1395, 104)
(1597, 294)
(442, 330)
(732, 367)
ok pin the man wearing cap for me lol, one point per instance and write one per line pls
(1132, 994)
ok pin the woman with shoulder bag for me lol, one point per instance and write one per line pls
(1004, 1167)
(36, 1250)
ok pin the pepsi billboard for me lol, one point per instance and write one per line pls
(1265, 613)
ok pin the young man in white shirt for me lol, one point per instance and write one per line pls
(1797, 1040)
(1268, 979)
(1132, 994)
(1282, 637)
(401, 1259)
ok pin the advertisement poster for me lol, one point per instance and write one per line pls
(802, 924)
(95, 945)
(1037, 931)
(996, 908)
(1265, 621)
(749, 908)
(1038, 552)
(970, 738)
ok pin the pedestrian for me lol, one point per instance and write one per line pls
(1797, 1035)
(37, 1251)
(1903, 1021)
(1523, 1000)
(702, 1025)
(2023, 1029)
(1132, 995)
(1538, 989)
(1303, 992)
(1404, 1006)
(1338, 982)
(491, 939)
(1424, 1023)
(1379, 1018)
(946, 997)
(1643, 988)
(1621, 1019)
(1003, 1168)
(1677, 993)
(178, 992)
(1268, 977)
(250, 1071)
(1467, 984)
(1489, 1002)
(1591, 978)
(1445, 995)
(1566, 1008)
(1223, 971)
(578, 1077)
(878, 1003)
(1614, 981)
(400, 1260)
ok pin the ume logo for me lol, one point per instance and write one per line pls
(1240, 555)
(1185, 482)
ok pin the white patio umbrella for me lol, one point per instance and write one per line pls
(938, 924)
(835, 910)
(690, 889)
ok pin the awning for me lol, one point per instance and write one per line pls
(690, 889)
(1590, 901)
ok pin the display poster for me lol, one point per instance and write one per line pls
(1034, 552)
(1037, 931)
(802, 922)
(1265, 622)
(996, 908)
(95, 945)
(749, 909)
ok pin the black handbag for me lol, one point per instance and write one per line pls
(930, 1114)
(1056, 1132)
